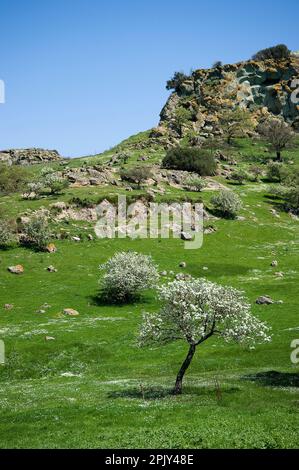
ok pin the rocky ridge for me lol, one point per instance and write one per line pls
(264, 88)
(28, 156)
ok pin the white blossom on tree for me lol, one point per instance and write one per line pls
(196, 309)
(126, 275)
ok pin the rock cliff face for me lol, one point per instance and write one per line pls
(28, 156)
(264, 88)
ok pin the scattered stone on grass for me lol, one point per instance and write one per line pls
(8, 306)
(266, 300)
(18, 269)
(183, 264)
(274, 263)
(71, 312)
(186, 236)
(51, 248)
(209, 230)
(51, 269)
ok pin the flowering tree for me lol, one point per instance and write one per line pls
(197, 309)
(127, 274)
(52, 181)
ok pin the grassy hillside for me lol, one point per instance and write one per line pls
(93, 387)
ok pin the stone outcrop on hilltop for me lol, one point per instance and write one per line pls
(28, 156)
(262, 87)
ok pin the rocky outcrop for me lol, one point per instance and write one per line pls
(262, 87)
(90, 176)
(28, 156)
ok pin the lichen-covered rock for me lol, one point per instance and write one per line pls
(90, 176)
(262, 87)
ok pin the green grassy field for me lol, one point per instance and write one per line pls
(93, 387)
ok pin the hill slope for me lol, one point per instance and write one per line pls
(82, 381)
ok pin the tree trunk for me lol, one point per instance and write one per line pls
(179, 380)
(278, 156)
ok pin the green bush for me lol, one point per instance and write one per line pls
(256, 172)
(239, 176)
(36, 233)
(288, 191)
(13, 179)
(7, 233)
(137, 174)
(292, 202)
(281, 51)
(82, 202)
(190, 159)
(277, 172)
(227, 203)
(195, 184)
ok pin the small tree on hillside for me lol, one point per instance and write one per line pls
(182, 116)
(281, 51)
(235, 123)
(217, 64)
(12, 179)
(194, 311)
(278, 134)
(175, 82)
(256, 172)
(36, 233)
(239, 176)
(137, 174)
(52, 181)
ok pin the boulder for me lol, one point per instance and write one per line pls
(264, 300)
(71, 312)
(186, 236)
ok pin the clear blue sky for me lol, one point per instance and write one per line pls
(81, 75)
